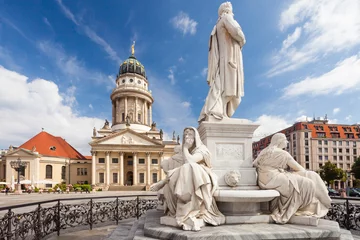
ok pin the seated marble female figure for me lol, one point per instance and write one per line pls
(188, 193)
(302, 192)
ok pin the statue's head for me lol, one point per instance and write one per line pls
(225, 7)
(279, 140)
(189, 135)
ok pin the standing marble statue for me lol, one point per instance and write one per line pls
(225, 67)
(189, 188)
(302, 192)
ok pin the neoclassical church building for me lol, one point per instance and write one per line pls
(129, 152)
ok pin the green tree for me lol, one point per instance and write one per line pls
(329, 172)
(355, 168)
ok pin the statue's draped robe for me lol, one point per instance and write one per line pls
(225, 69)
(301, 192)
(189, 193)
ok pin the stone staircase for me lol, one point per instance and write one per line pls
(126, 188)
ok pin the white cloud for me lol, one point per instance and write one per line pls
(184, 23)
(90, 33)
(328, 27)
(171, 76)
(181, 59)
(302, 118)
(8, 60)
(336, 110)
(269, 125)
(348, 118)
(291, 39)
(71, 66)
(186, 104)
(69, 96)
(91, 106)
(345, 77)
(27, 106)
(204, 72)
(46, 21)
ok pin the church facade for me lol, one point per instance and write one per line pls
(130, 151)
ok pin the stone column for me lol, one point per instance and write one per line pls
(135, 181)
(113, 113)
(136, 110)
(93, 168)
(107, 168)
(143, 112)
(162, 173)
(146, 114)
(121, 175)
(126, 107)
(150, 114)
(148, 172)
(117, 111)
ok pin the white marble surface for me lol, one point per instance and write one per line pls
(325, 230)
(225, 195)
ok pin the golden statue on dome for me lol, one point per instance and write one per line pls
(133, 48)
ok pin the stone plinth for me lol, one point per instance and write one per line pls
(230, 144)
(326, 229)
(18, 189)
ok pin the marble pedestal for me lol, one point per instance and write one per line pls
(18, 189)
(230, 144)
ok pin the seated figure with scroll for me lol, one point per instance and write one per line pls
(302, 192)
(188, 191)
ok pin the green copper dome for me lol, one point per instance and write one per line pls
(132, 65)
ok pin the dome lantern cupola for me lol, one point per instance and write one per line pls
(132, 65)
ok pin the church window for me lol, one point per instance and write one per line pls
(82, 171)
(139, 82)
(141, 178)
(63, 170)
(141, 161)
(115, 177)
(101, 160)
(115, 160)
(154, 177)
(123, 117)
(139, 117)
(129, 162)
(48, 170)
(52, 148)
(123, 81)
(154, 161)
(131, 80)
(101, 177)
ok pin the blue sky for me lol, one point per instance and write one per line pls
(59, 59)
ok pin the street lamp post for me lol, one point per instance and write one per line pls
(17, 166)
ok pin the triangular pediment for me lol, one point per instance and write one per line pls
(21, 152)
(126, 137)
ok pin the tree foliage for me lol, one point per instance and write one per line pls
(329, 172)
(355, 168)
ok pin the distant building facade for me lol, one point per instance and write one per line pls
(314, 143)
(130, 151)
(50, 160)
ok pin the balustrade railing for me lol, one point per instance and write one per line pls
(37, 220)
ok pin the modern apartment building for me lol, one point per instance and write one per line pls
(315, 142)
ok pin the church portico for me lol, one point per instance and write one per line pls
(129, 151)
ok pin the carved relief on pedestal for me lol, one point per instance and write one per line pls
(230, 151)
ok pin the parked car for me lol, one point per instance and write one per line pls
(333, 192)
(353, 193)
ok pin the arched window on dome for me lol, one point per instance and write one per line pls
(131, 68)
(138, 69)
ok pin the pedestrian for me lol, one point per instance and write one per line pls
(7, 190)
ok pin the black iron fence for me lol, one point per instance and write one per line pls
(346, 211)
(47, 217)
(52, 216)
